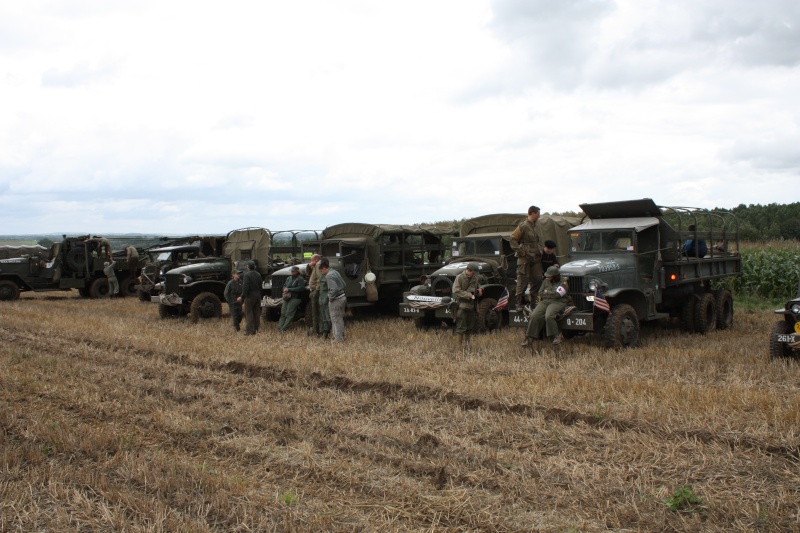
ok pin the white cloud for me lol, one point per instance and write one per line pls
(187, 117)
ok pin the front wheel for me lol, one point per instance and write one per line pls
(99, 288)
(144, 296)
(168, 311)
(8, 290)
(205, 305)
(780, 350)
(622, 327)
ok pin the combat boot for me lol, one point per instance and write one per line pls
(520, 301)
(325, 335)
(528, 342)
(466, 341)
(557, 339)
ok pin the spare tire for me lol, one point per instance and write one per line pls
(76, 259)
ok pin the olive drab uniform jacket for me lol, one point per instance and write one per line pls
(463, 289)
(554, 290)
(526, 243)
(233, 290)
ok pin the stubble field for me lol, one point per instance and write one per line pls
(114, 420)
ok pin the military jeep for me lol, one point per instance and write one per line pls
(784, 340)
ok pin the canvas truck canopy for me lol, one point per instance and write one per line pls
(645, 207)
(249, 244)
(10, 252)
(637, 223)
(497, 223)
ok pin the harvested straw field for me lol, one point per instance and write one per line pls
(115, 420)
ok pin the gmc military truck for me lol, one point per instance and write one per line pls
(378, 262)
(485, 240)
(633, 261)
(197, 289)
(72, 263)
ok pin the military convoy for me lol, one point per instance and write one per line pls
(197, 288)
(629, 264)
(485, 240)
(73, 263)
(378, 262)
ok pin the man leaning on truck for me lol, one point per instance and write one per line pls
(525, 242)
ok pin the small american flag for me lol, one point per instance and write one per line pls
(600, 302)
(502, 302)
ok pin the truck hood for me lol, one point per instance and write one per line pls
(213, 264)
(457, 267)
(598, 264)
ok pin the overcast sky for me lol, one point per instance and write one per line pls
(176, 117)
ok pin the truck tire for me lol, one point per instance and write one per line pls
(127, 286)
(687, 314)
(425, 322)
(76, 259)
(144, 296)
(705, 314)
(9, 291)
(488, 319)
(779, 350)
(99, 288)
(168, 311)
(622, 327)
(724, 309)
(205, 305)
(84, 292)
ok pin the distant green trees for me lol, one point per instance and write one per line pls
(768, 222)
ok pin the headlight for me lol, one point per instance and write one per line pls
(796, 309)
(187, 279)
(593, 285)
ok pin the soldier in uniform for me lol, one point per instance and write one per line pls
(465, 291)
(113, 283)
(292, 294)
(553, 294)
(232, 292)
(132, 255)
(251, 298)
(312, 276)
(549, 255)
(528, 248)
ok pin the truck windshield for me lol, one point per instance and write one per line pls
(479, 246)
(601, 241)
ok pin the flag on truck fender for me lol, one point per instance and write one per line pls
(600, 302)
(502, 302)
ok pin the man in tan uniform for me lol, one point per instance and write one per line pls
(528, 247)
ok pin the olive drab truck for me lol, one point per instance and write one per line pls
(485, 240)
(377, 262)
(73, 263)
(198, 288)
(633, 261)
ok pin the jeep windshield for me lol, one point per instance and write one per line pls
(464, 247)
(602, 241)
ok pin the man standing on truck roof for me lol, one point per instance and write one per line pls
(525, 242)
(465, 291)
(251, 298)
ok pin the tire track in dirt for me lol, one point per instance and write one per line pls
(420, 393)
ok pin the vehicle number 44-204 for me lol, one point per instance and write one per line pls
(577, 321)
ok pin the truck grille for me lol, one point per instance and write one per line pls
(277, 286)
(442, 286)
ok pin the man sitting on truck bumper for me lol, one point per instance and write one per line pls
(553, 294)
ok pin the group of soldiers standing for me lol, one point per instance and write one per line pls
(327, 299)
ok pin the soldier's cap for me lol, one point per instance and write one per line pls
(550, 244)
(473, 266)
(239, 272)
(251, 264)
(551, 271)
(295, 268)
